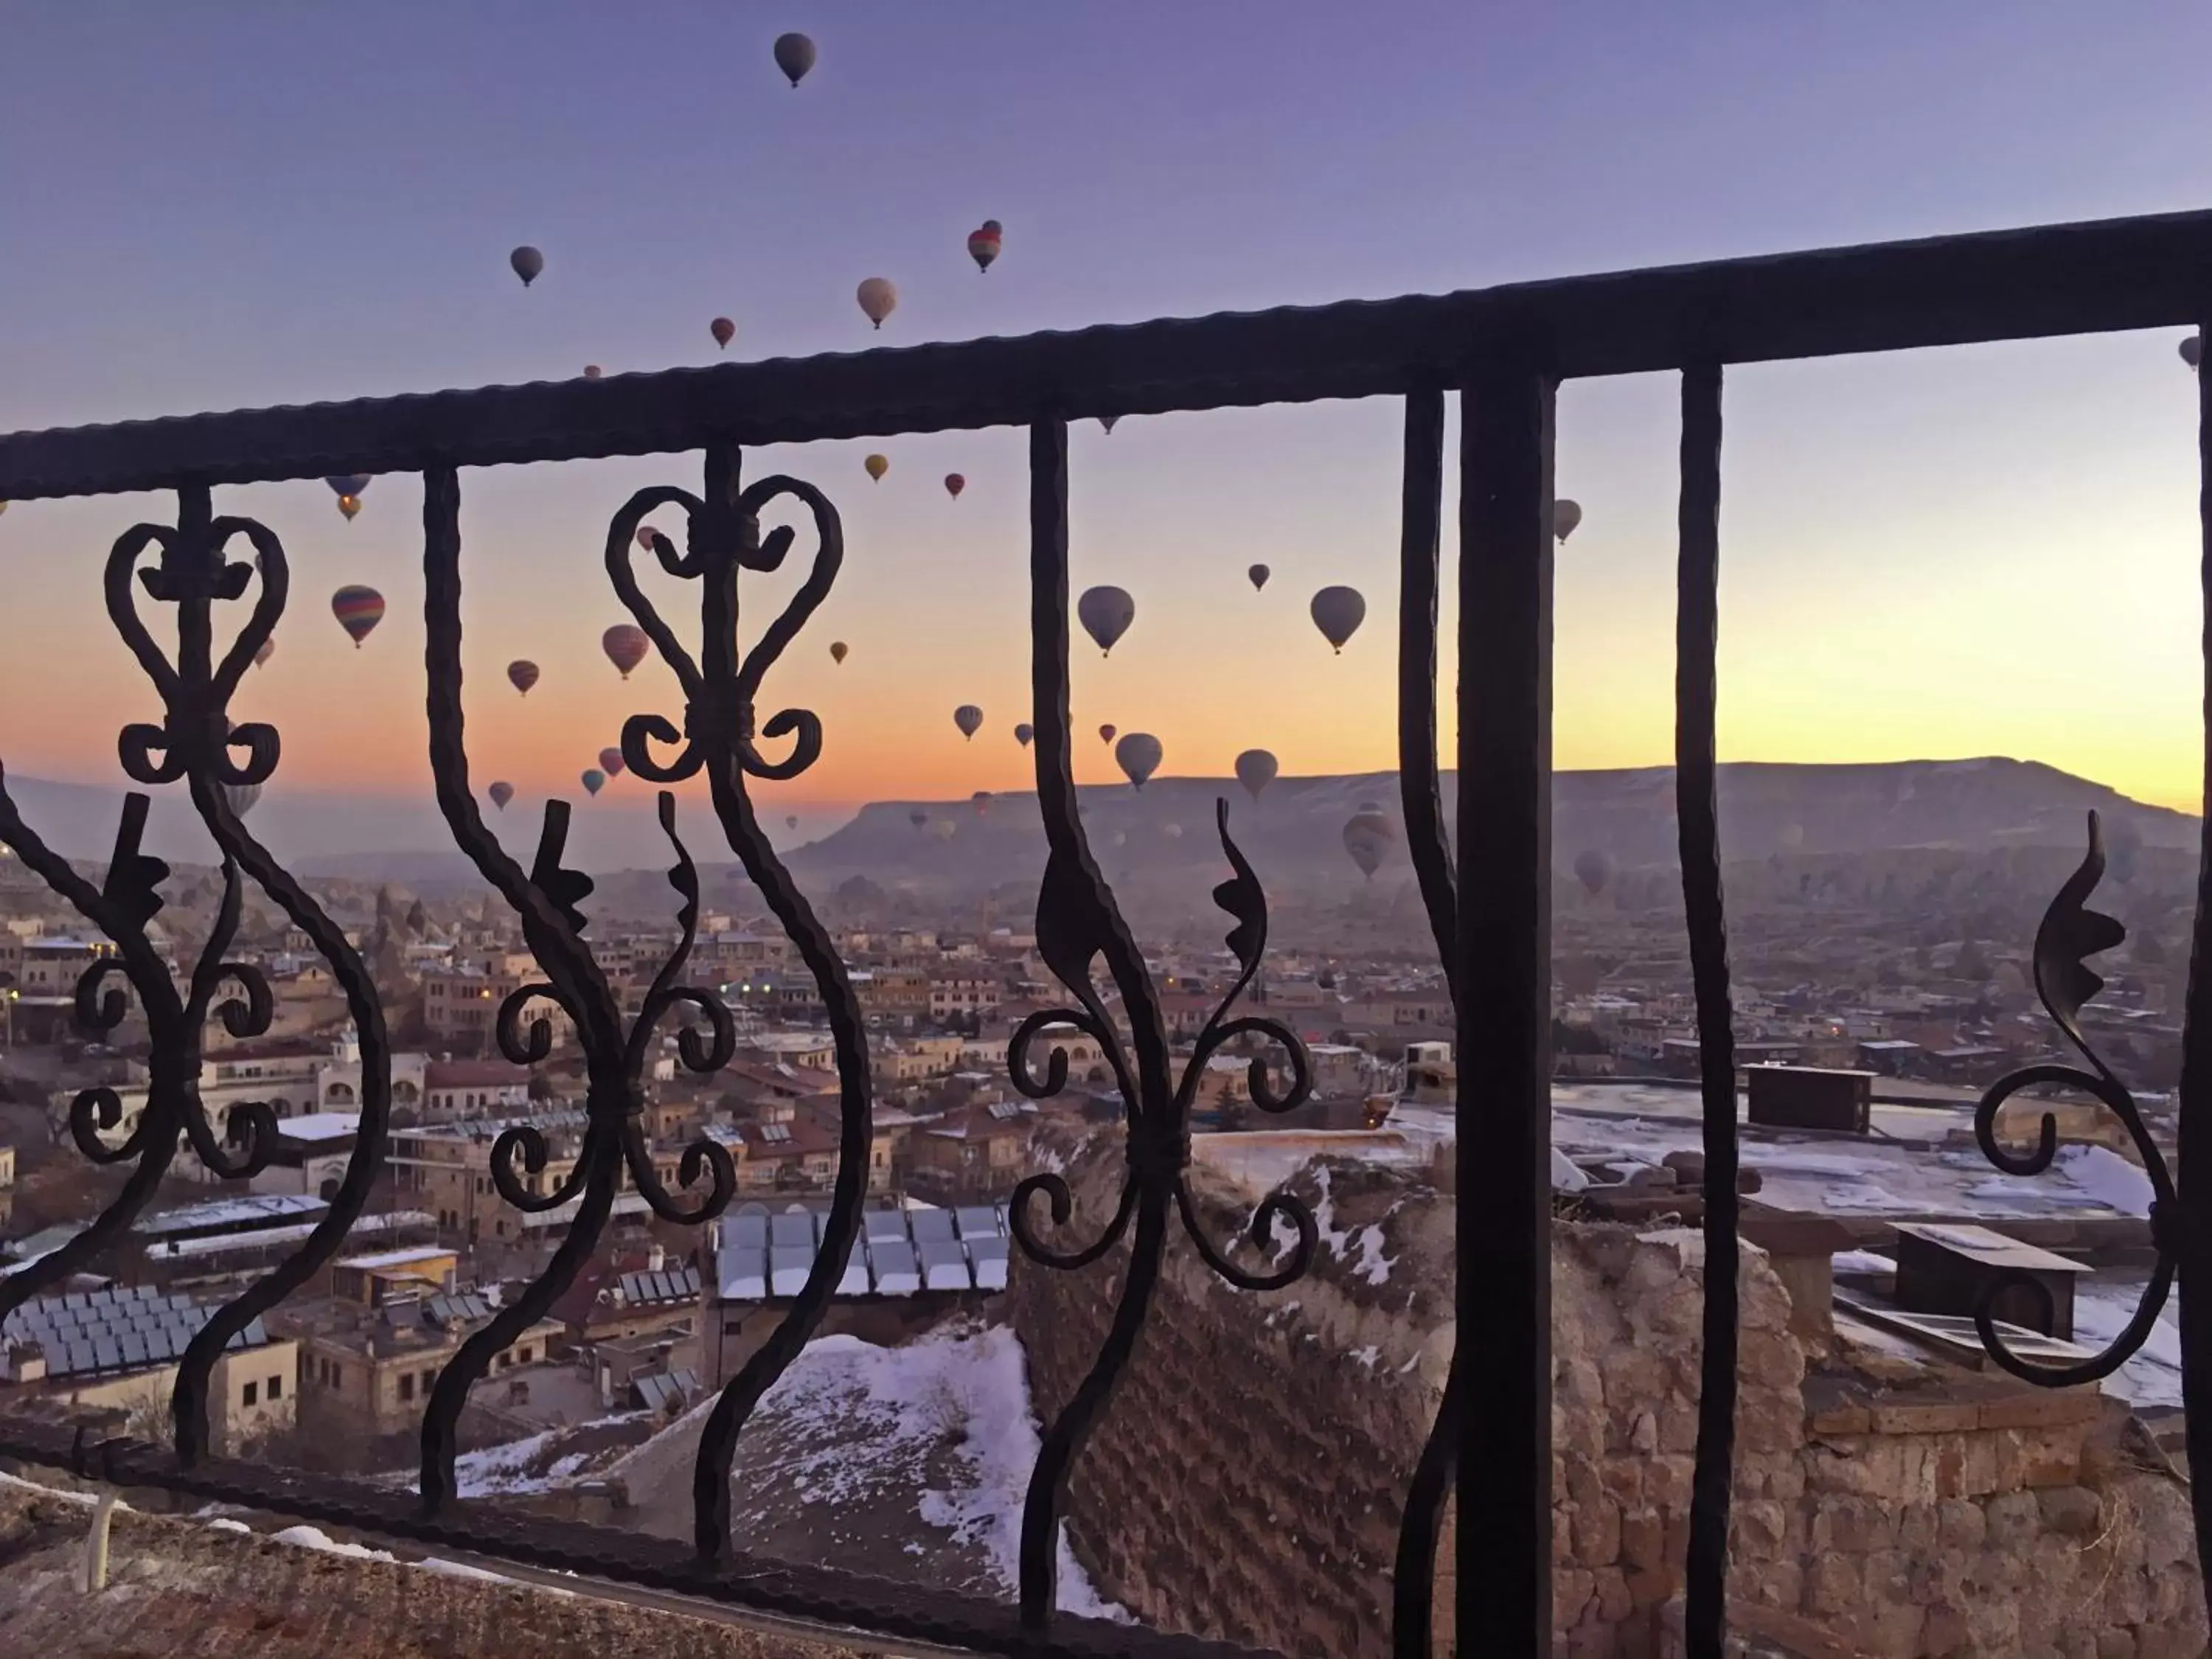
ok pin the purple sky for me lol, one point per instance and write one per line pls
(263, 202)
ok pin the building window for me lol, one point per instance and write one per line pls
(252, 1393)
(406, 1385)
(276, 1388)
(526, 1352)
(429, 1377)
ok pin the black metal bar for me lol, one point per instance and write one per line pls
(1421, 800)
(2013, 284)
(1696, 812)
(1503, 945)
(2192, 1236)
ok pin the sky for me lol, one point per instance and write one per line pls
(1980, 550)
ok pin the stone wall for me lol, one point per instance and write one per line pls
(1247, 1483)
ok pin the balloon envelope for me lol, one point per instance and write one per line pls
(1106, 614)
(792, 823)
(611, 761)
(944, 829)
(625, 644)
(500, 794)
(1368, 836)
(593, 371)
(527, 262)
(1025, 733)
(1139, 756)
(644, 536)
(969, 719)
(877, 465)
(1107, 421)
(1593, 869)
(1255, 770)
(983, 243)
(358, 610)
(1258, 574)
(241, 797)
(794, 56)
(1338, 612)
(594, 780)
(2192, 350)
(1106, 733)
(837, 650)
(265, 650)
(877, 298)
(917, 818)
(954, 483)
(349, 484)
(1565, 515)
(723, 329)
(349, 507)
(982, 800)
(522, 674)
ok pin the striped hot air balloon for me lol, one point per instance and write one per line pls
(625, 644)
(983, 243)
(358, 610)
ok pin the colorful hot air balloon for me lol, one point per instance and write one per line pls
(1593, 869)
(1105, 613)
(593, 371)
(1255, 770)
(969, 719)
(917, 818)
(1338, 612)
(1565, 515)
(2192, 350)
(1368, 836)
(877, 298)
(645, 535)
(954, 483)
(794, 56)
(981, 801)
(838, 649)
(358, 610)
(723, 332)
(522, 675)
(348, 487)
(594, 780)
(625, 644)
(240, 798)
(611, 761)
(527, 262)
(500, 794)
(983, 243)
(791, 822)
(1139, 756)
(349, 507)
(1106, 733)
(877, 467)
(263, 651)
(944, 829)
(1257, 576)
(1025, 733)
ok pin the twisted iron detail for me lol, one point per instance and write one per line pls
(719, 739)
(2069, 935)
(545, 900)
(1079, 925)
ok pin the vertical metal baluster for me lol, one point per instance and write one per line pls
(2192, 1237)
(1503, 947)
(1419, 791)
(1697, 811)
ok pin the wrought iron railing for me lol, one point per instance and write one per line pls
(1504, 351)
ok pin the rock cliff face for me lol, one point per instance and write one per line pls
(1247, 1482)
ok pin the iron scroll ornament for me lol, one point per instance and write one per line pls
(545, 901)
(722, 535)
(2070, 934)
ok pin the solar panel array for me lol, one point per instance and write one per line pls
(121, 1328)
(680, 1286)
(900, 1252)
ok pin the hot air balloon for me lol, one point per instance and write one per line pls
(1593, 869)
(723, 332)
(358, 610)
(1025, 733)
(625, 644)
(837, 650)
(954, 483)
(263, 651)
(1107, 421)
(944, 829)
(982, 800)
(348, 487)
(917, 818)
(522, 675)
(1106, 733)
(594, 780)
(1565, 515)
(1105, 613)
(877, 467)
(969, 719)
(1368, 834)
(794, 56)
(593, 371)
(240, 798)
(1172, 831)
(349, 507)
(1139, 756)
(611, 761)
(645, 535)
(983, 243)
(3, 506)
(792, 823)
(877, 298)
(1258, 575)
(2192, 350)
(1255, 770)
(527, 262)
(500, 794)
(1792, 835)
(1338, 612)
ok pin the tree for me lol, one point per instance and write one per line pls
(1970, 964)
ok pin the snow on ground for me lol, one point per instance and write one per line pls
(1362, 1244)
(2102, 1309)
(546, 1460)
(1863, 1261)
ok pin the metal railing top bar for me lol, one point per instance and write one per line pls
(2092, 278)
